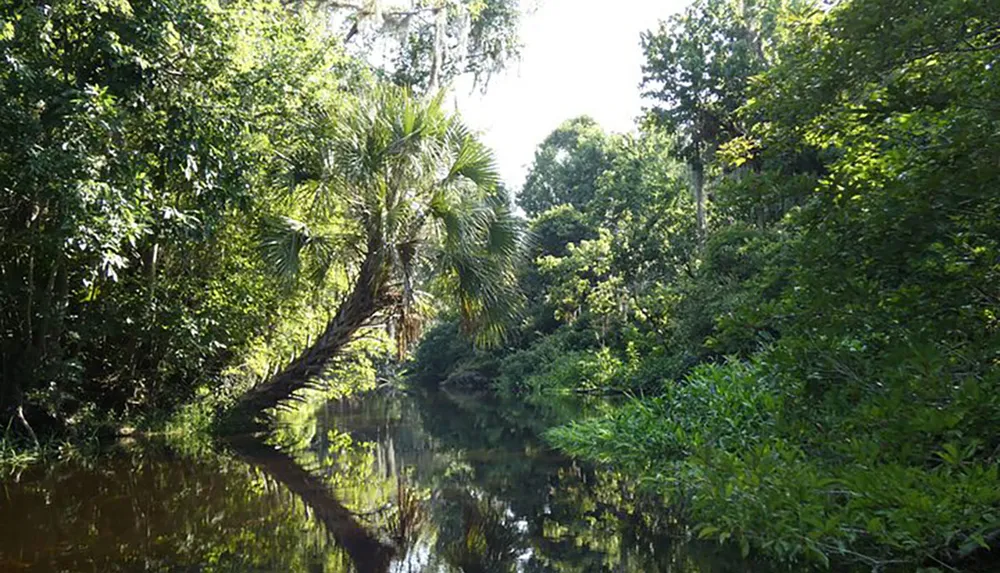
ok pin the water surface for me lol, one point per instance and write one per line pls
(436, 483)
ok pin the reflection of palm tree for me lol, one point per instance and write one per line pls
(483, 540)
(409, 516)
(155, 509)
(368, 553)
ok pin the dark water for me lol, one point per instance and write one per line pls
(385, 483)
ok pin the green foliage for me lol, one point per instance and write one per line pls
(447, 357)
(809, 340)
(169, 230)
(566, 167)
(136, 140)
(719, 441)
(522, 366)
(558, 364)
(699, 63)
(727, 407)
(812, 342)
(555, 229)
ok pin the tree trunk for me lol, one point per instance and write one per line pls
(364, 302)
(698, 182)
(437, 57)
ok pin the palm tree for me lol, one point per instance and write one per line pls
(425, 201)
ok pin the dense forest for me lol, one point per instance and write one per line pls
(190, 189)
(790, 271)
(772, 306)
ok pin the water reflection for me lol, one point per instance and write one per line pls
(147, 508)
(496, 499)
(425, 483)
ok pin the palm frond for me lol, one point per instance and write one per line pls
(281, 241)
(289, 247)
(326, 252)
(473, 160)
(507, 233)
(484, 243)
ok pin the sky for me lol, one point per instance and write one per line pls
(579, 57)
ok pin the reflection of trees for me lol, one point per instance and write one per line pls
(151, 509)
(575, 517)
(377, 457)
(502, 500)
(476, 534)
(453, 484)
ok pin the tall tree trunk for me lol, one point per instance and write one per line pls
(698, 182)
(437, 56)
(365, 300)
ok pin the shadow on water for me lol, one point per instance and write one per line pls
(388, 483)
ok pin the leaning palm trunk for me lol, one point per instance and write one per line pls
(366, 299)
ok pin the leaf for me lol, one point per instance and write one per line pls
(707, 531)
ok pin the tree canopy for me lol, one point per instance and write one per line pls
(566, 167)
(427, 43)
(190, 189)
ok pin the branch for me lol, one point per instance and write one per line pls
(27, 426)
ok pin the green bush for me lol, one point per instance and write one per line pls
(718, 444)
(728, 406)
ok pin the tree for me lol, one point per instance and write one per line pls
(566, 167)
(431, 42)
(865, 314)
(136, 145)
(423, 193)
(642, 199)
(698, 66)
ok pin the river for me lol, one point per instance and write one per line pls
(396, 482)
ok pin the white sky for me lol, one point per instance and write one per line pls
(579, 57)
